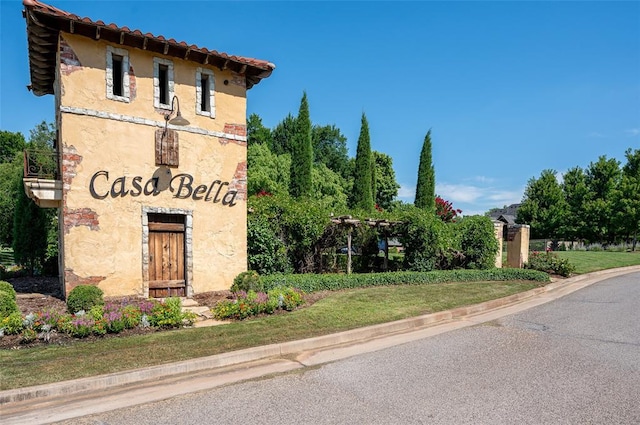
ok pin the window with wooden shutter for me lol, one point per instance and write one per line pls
(167, 147)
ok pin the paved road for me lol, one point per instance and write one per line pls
(575, 360)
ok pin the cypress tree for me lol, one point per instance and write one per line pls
(426, 187)
(302, 153)
(374, 181)
(29, 231)
(361, 195)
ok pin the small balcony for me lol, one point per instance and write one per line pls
(41, 178)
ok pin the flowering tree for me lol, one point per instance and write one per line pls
(445, 210)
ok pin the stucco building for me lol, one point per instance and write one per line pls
(151, 155)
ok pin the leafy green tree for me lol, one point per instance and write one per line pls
(34, 227)
(9, 173)
(386, 184)
(574, 188)
(256, 132)
(329, 188)
(266, 171)
(602, 179)
(29, 231)
(543, 206)
(10, 145)
(330, 149)
(42, 136)
(302, 153)
(627, 208)
(361, 195)
(283, 134)
(426, 186)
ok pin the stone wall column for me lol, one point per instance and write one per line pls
(497, 230)
(517, 245)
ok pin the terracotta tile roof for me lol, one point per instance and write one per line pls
(45, 22)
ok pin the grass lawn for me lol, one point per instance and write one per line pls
(6, 257)
(591, 261)
(339, 311)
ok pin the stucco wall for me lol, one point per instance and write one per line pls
(103, 237)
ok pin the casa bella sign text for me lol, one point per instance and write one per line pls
(181, 185)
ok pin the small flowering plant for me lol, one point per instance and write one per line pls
(247, 304)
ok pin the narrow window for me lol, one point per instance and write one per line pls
(163, 77)
(204, 83)
(117, 74)
(204, 94)
(118, 89)
(162, 83)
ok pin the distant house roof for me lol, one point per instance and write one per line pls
(45, 22)
(508, 219)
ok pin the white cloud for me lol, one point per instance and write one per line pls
(408, 193)
(505, 197)
(459, 192)
(484, 179)
(472, 199)
(596, 135)
(633, 132)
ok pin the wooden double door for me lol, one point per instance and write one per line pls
(166, 255)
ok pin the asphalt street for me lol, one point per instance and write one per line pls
(575, 360)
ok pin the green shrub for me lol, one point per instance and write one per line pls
(332, 282)
(7, 287)
(550, 263)
(8, 304)
(266, 253)
(131, 316)
(247, 281)
(287, 298)
(12, 324)
(83, 297)
(426, 239)
(478, 242)
(169, 314)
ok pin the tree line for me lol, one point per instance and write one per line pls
(299, 175)
(599, 204)
(31, 231)
(304, 160)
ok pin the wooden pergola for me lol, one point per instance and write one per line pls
(351, 223)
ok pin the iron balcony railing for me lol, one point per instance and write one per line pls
(42, 164)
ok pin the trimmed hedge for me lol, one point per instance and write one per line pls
(332, 282)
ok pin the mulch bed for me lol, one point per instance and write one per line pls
(36, 294)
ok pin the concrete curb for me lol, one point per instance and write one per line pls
(273, 351)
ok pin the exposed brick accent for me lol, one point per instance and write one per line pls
(71, 280)
(70, 161)
(69, 62)
(74, 217)
(236, 130)
(132, 83)
(80, 217)
(239, 181)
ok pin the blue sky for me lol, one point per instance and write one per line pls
(508, 88)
